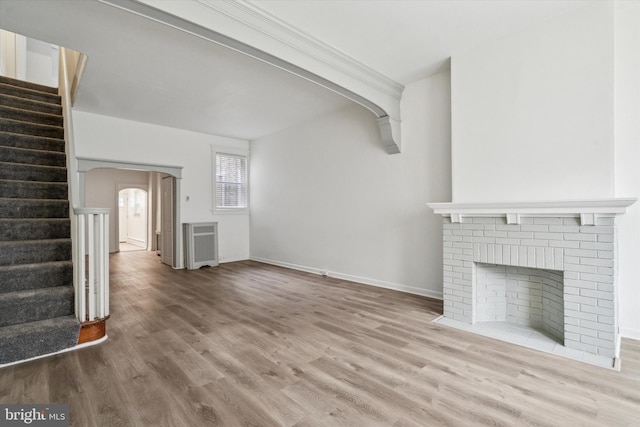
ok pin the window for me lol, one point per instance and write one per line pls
(231, 181)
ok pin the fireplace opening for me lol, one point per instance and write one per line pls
(527, 297)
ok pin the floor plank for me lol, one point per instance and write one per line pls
(247, 343)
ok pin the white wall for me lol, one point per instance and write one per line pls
(627, 136)
(109, 138)
(101, 191)
(326, 197)
(42, 63)
(532, 113)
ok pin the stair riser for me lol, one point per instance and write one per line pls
(29, 94)
(35, 276)
(20, 208)
(31, 142)
(30, 116)
(21, 342)
(34, 252)
(14, 126)
(34, 230)
(33, 190)
(34, 305)
(28, 85)
(30, 105)
(32, 157)
(20, 172)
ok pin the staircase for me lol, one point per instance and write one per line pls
(36, 272)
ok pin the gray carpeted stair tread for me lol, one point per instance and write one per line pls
(33, 189)
(32, 157)
(24, 172)
(27, 128)
(34, 276)
(28, 116)
(34, 251)
(30, 104)
(34, 208)
(28, 85)
(35, 304)
(16, 229)
(9, 139)
(27, 340)
(34, 95)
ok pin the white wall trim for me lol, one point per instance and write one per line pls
(630, 333)
(353, 278)
(251, 31)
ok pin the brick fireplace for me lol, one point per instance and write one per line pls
(547, 265)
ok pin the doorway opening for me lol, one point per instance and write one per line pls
(132, 216)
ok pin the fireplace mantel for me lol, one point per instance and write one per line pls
(587, 210)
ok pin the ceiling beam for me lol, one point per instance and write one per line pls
(247, 29)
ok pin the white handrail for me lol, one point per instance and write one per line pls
(89, 226)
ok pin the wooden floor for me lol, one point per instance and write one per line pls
(252, 344)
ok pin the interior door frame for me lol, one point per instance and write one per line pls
(87, 164)
(148, 233)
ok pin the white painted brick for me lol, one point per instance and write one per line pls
(535, 228)
(576, 329)
(564, 244)
(580, 236)
(571, 305)
(540, 259)
(564, 229)
(548, 236)
(463, 245)
(606, 336)
(597, 310)
(490, 253)
(483, 220)
(587, 253)
(597, 229)
(597, 261)
(452, 238)
(581, 315)
(534, 242)
(472, 226)
(595, 341)
(580, 299)
(579, 284)
(495, 233)
(461, 232)
(548, 258)
(531, 256)
(508, 228)
(571, 221)
(605, 254)
(605, 238)
(558, 258)
(497, 250)
(546, 221)
(520, 234)
(606, 287)
(597, 245)
(571, 336)
(468, 239)
(487, 240)
(503, 241)
(478, 233)
(483, 252)
(596, 278)
(580, 346)
(572, 260)
(606, 221)
(581, 268)
(599, 295)
(597, 326)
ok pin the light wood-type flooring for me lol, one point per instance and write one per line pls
(256, 345)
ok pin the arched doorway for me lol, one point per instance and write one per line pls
(132, 219)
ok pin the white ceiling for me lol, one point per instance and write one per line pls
(145, 71)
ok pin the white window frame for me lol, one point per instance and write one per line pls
(234, 151)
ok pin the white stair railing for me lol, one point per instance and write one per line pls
(89, 226)
(92, 270)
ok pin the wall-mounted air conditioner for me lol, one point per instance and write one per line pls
(201, 244)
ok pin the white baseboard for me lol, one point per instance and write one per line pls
(631, 333)
(352, 278)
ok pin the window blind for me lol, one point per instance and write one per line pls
(231, 181)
